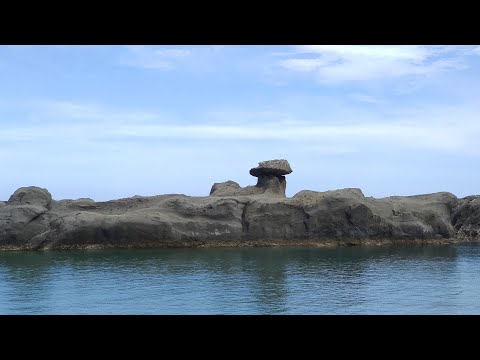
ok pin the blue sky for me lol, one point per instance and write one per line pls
(109, 122)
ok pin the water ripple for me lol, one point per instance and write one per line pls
(359, 280)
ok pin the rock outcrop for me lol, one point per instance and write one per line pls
(270, 182)
(234, 216)
(23, 216)
(466, 218)
(31, 195)
(226, 188)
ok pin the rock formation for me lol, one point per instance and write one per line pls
(466, 218)
(235, 216)
(270, 182)
(31, 196)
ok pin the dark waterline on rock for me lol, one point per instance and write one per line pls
(430, 279)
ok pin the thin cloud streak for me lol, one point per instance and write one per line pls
(436, 132)
(344, 63)
(153, 58)
(366, 99)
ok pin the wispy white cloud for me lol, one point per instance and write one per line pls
(304, 65)
(408, 129)
(353, 137)
(54, 110)
(341, 63)
(243, 116)
(366, 99)
(409, 136)
(152, 57)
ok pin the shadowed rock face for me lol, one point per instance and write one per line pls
(466, 218)
(232, 216)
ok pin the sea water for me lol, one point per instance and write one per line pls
(413, 279)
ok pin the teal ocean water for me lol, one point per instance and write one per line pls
(431, 279)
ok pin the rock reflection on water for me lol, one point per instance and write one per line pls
(346, 280)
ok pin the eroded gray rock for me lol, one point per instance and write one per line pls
(466, 218)
(84, 203)
(225, 188)
(20, 223)
(271, 186)
(31, 195)
(233, 215)
(270, 182)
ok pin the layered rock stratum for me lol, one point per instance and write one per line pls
(259, 215)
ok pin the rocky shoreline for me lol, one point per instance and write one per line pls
(232, 216)
(209, 244)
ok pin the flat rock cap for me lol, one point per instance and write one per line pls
(271, 167)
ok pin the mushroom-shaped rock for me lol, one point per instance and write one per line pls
(270, 176)
(31, 195)
(271, 167)
(271, 181)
